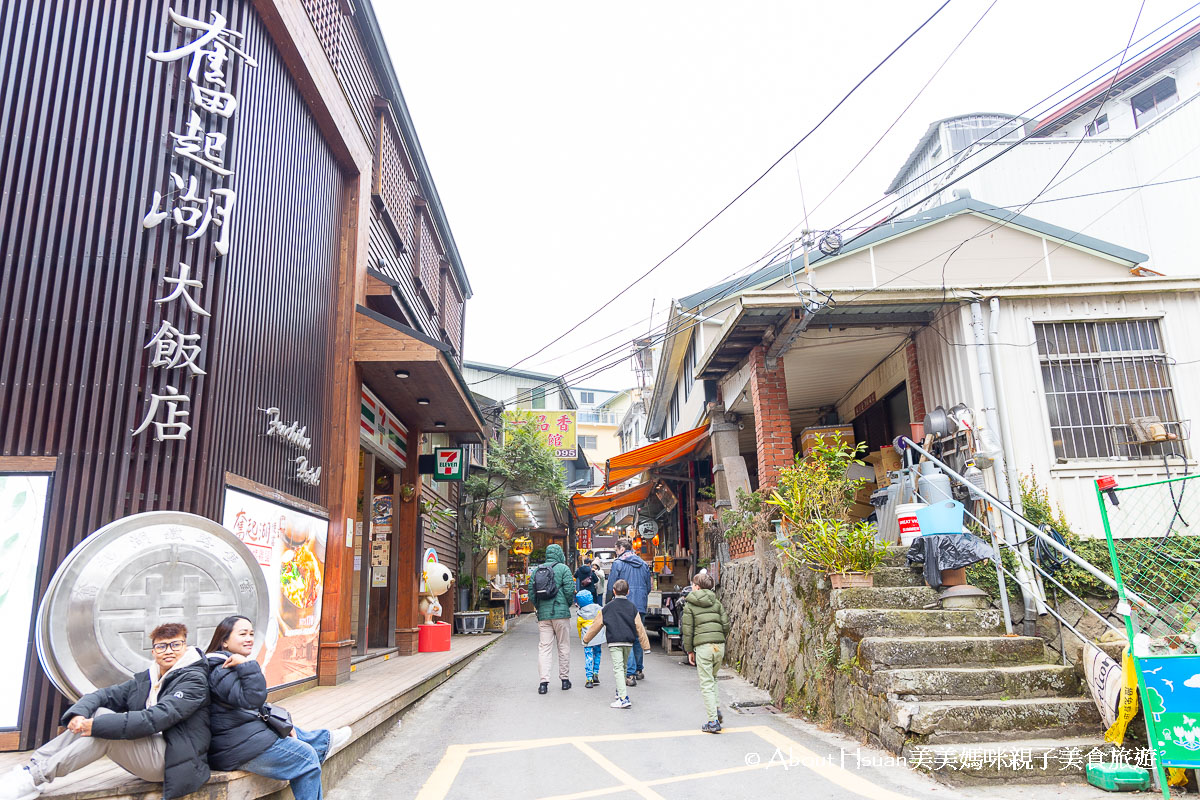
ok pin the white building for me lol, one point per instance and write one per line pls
(1126, 150)
(1082, 346)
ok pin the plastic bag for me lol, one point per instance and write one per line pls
(947, 551)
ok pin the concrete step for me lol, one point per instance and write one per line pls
(898, 576)
(962, 683)
(963, 721)
(894, 556)
(858, 623)
(882, 652)
(1000, 763)
(884, 597)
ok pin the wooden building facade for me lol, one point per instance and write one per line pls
(209, 209)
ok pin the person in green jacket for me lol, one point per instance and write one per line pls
(704, 626)
(552, 587)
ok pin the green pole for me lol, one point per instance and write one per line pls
(1127, 613)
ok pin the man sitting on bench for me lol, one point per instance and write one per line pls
(154, 725)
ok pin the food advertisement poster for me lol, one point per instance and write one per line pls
(289, 545)
(22, 514)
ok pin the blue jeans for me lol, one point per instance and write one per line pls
(635, 659)
(591, 661)
(296, 760)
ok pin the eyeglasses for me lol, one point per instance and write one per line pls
(174, 647)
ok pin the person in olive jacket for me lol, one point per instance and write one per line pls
(552, 587)
(154, 725)
(704, 627)
(240, 737)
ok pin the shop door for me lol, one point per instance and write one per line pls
(371, 608)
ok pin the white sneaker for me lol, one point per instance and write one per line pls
(339, 738)
(18, 785)
(621, 702)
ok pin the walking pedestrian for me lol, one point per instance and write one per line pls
(630, 568)
(241, 739)
(154, 725)
(622, 626)
(705, 626)
(598, 595)
(552, 587)
(585, 578)
(584, 619)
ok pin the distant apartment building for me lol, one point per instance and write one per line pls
(1125, 147)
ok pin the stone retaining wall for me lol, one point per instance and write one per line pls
(783, 639)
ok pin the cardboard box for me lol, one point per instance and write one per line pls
(863, 493)
(861, 510)
(830, 434)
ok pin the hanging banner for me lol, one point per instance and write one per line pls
(1104, 679)
(289, 546)
(22, 515)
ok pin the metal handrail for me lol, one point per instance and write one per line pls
(1004, 509)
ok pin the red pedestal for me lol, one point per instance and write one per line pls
(433, 638)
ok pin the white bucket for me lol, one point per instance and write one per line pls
(906, 517)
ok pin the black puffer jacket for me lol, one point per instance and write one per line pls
(180, 715)
(238, 732)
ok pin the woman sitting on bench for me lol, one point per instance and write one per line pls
(241, 738)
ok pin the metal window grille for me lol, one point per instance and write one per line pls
(1098, 377)
(587, 442)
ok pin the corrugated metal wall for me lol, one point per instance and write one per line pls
(950, 375)
(84, 124)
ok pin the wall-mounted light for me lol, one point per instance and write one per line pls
(439, 424)
(422, 401)
(401, 373)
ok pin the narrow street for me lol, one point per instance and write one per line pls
(487, 733)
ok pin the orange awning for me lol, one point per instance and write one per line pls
(584, 506)
(659, 454)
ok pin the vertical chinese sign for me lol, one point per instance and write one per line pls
(289, 545)
(557, 427)
(198, 199)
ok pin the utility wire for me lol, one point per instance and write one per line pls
(740, 194)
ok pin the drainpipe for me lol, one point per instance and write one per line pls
(1032, 603)
(1014, 478)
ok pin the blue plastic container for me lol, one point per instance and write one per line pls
(943, 517)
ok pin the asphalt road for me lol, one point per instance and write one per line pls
(487, 733)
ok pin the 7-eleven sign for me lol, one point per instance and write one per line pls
(448, 464)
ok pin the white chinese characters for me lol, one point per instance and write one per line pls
(199, 199)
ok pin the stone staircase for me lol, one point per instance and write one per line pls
(952, 693)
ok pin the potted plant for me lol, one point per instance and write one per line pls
(847, 553)
(814, 497)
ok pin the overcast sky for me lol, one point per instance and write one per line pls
(576, 144)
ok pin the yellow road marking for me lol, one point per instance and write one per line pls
(624, 777)
(486, 748)
(790, 753)
(830, 772)
(443, 775)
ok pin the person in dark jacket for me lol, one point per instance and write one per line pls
(154, 725)
(630, 567)
(621, 625)
(705, 626)
(554, 618)
(240, 738)
(585, 578)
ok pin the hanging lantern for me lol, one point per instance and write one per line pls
(637, 543)
(654, 541)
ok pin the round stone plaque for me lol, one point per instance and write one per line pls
(135, 573)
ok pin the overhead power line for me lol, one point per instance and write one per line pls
(740, 194)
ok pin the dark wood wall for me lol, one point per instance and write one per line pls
(84, 124)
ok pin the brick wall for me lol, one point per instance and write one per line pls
(772, 423)
(916, 394)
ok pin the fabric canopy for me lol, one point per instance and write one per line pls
(584, 506)
(659, 454)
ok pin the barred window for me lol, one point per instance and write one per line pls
(1101, 376)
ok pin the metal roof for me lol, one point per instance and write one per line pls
(899, 227)
(928, 137)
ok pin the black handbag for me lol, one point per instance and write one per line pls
(277, 718)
